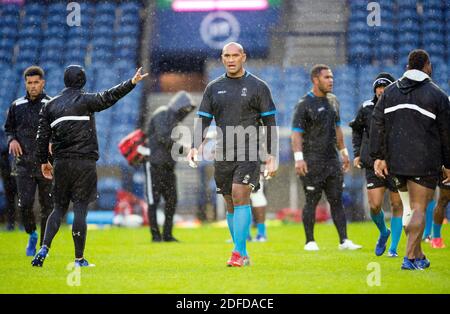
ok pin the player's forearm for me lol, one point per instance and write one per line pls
(271, 129)
(340, 138)
(200, 127)
(297, 142)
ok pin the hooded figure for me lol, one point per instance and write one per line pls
(68, 119)
(160, 126)
(411, 126)
(361, 124)
(160, 169)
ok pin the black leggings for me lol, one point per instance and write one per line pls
(162, 181)
(79, 226)
(26, 188)
(332, 186)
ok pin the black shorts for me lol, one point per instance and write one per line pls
(442, 185)
(319, 173)
(429, 182)
(239, 172)
(374, 182)
(74, 180)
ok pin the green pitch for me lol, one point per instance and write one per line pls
(127, 262)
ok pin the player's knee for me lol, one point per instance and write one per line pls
(375, 206)
(397, 208)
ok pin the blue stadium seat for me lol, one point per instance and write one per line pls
(358, 27)
(126, 19)
(409, 37)
(76, 43)
(358, 5)
(103, 55)
(104, 19)
(53, 55)
(408, 25)
(407, 15)
(35, 9)
(9, 20)
(102, 43)
(105, 8)
(74, 56)
(386, 6)
(28, 55)
(432, 14)
(128, 41)
(130, 7)
(10, 9)
(53, 43)
(54, 31)
(402, 4)
(6, 56)
(103, 31)
(7, 44)
(31, 32)
(359, 38)
(436, 50)
(437, 4)
(20, 66)
(32, 22)
(433, 26)
(358, 15)
(8, 31)
(79, 32)
(126, 30)
(58, 8)
(387, 38)
(436, 38)
(126, 53)
(57, 20)
(32, 43)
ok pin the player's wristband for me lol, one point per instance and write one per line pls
(344, 152)
(298, 156)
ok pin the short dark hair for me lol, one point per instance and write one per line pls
(315, 71)
(32, 71)
(417, 59)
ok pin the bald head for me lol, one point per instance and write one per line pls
(233, 45)
(233, 58)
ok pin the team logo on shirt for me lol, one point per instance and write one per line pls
(244, 92)
(246, 178)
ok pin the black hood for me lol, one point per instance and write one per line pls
(182, 104)
(411, 80)
(74, 76)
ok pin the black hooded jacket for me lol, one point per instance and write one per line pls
(361, 131)
(68, 118)
(160, 126)
(22, 125)
(411, 127)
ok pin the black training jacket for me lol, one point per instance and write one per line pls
(22, 125)
(412, 121)
(160, 126)
(68, 118)
(360, 132)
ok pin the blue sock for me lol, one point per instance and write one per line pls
(429, 219)
(34, 234)
(261, 229)
(230, 218)
(378, 219)
(396, 228)
(242, 220)
(436, 231)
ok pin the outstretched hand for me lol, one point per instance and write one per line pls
(138, 76)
